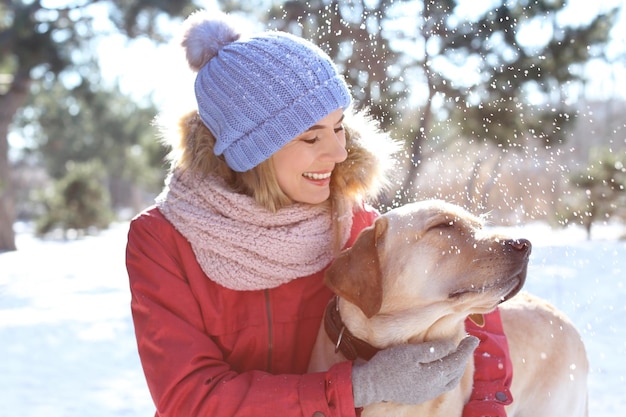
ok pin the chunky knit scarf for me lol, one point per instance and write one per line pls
(239, 244)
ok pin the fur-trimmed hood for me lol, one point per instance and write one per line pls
(366, 171)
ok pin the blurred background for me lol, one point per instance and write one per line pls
(513, 107)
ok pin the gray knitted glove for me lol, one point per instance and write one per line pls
(411, 374)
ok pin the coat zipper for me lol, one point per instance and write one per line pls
(270, 335)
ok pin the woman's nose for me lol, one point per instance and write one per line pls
(336, 149)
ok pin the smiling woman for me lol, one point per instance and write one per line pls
(304, 166)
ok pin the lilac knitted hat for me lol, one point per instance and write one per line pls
(255, 94)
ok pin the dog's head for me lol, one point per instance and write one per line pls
(431, 259)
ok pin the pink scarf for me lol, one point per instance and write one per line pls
(241, 245)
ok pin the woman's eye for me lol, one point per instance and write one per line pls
(310, 141)
(338, 129)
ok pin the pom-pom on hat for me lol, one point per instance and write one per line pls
(257, 93)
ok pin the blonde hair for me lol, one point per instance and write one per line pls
(194, 152)
(360, 177)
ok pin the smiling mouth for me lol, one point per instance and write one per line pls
(315, 176)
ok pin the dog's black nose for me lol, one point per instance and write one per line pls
(522, 245)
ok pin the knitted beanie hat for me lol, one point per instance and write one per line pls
(255, 94)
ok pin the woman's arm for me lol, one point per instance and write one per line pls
(185, 369)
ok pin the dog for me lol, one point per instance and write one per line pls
(418, 273)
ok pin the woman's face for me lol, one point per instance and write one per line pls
(303, 166)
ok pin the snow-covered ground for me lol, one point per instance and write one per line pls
(66, 338)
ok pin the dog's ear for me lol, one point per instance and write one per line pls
(356, 275)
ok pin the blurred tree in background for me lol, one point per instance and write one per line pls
(602, 189)
(78, 201)
(41, 43)
(89, 121)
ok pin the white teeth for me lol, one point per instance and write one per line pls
(316, 176)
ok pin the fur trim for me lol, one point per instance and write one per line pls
(204, 34)
(365, 172)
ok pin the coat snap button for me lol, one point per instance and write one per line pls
(501, 396)
(318, 414)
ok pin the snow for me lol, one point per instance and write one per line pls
(67, 347)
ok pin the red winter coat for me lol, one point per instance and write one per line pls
(209, 351)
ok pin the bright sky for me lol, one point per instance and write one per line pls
(144, 68)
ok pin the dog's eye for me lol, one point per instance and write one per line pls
(445, 225)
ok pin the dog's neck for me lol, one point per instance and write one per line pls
(345, 342)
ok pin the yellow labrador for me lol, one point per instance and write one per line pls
(415, 276)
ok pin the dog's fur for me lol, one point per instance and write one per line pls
(419, 271)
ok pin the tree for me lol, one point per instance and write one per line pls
(523, 83)
(39, 42)
(89, 122)
(78, 201)
(602, 187)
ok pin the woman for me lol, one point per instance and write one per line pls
(268, 182)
